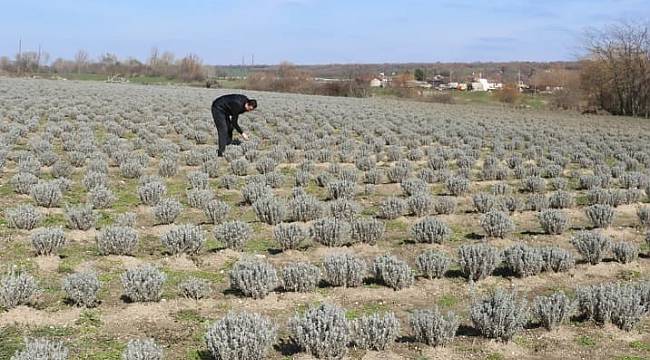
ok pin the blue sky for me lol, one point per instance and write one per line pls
(313, 31)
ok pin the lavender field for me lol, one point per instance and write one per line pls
(345, 228)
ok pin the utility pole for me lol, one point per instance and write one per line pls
(253, 60)
(20, 50)
(243, 66)
(38, 60)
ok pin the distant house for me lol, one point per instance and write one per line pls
(416, 83)
(438, 80)
(481, 84)
(376, 83)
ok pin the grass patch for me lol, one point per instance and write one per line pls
(177, 189)
(367, 309)
(259, 245)
(98, 347)
(89, 319)
(495, 356)
(640, 345)
(52, 331)
(397, 225)
(18, 253)
(628, 275)
(457, 233)
(6, 190)
(189, 315)
(175, 277)
(76, 195)
(55, 220)
(586, 341)
(104, 219)
(11, 340)
(127, 196)
(447, 300)
(150, 244)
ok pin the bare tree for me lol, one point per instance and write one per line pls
(190, 68)
(616, 74)
(81, 59)
(27, 61)
(108, 63)
(62, 66)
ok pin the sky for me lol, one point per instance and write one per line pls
(313, 31)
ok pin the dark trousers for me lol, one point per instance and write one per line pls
(224, 129)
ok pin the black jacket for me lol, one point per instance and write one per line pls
(231, 105)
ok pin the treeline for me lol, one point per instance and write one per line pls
(165, 64)
(289, 78)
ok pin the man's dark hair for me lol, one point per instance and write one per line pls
(252, 102)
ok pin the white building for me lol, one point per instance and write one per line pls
(481, 84)
(375, 83)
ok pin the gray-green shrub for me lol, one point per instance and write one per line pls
(240, 336)
(25, 217)
(433, 264)
(233, 234)
(367, 230)
(625, 252)
(523, 260)
(497, 224)
(478, 261)
(47, 241)
(322, 331)
(393, 272)
(331, 232)
(82, 288)
(186, 238)
(143, 283)
(253, 277)
(376, 331)
(553, 310)
(289, 235)
(42, 349)
(300, 277)
(345, 270)
(600, 215)
(553, 221)
(432, 328)
(500, 315)
(142, 349)
(117, 240)
(592, 245)
(17, 287)
(430, 230)
(167, 210)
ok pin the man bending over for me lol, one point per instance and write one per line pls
(225, 112)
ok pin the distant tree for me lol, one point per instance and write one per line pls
(108, 64)
(509, 94)
(402, 79)
(27, 61)
(190, 68)
(616, 74)
(6, 65)
(81, 60)
(62, 66)
(419, 74)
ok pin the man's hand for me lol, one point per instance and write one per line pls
(245, 136)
